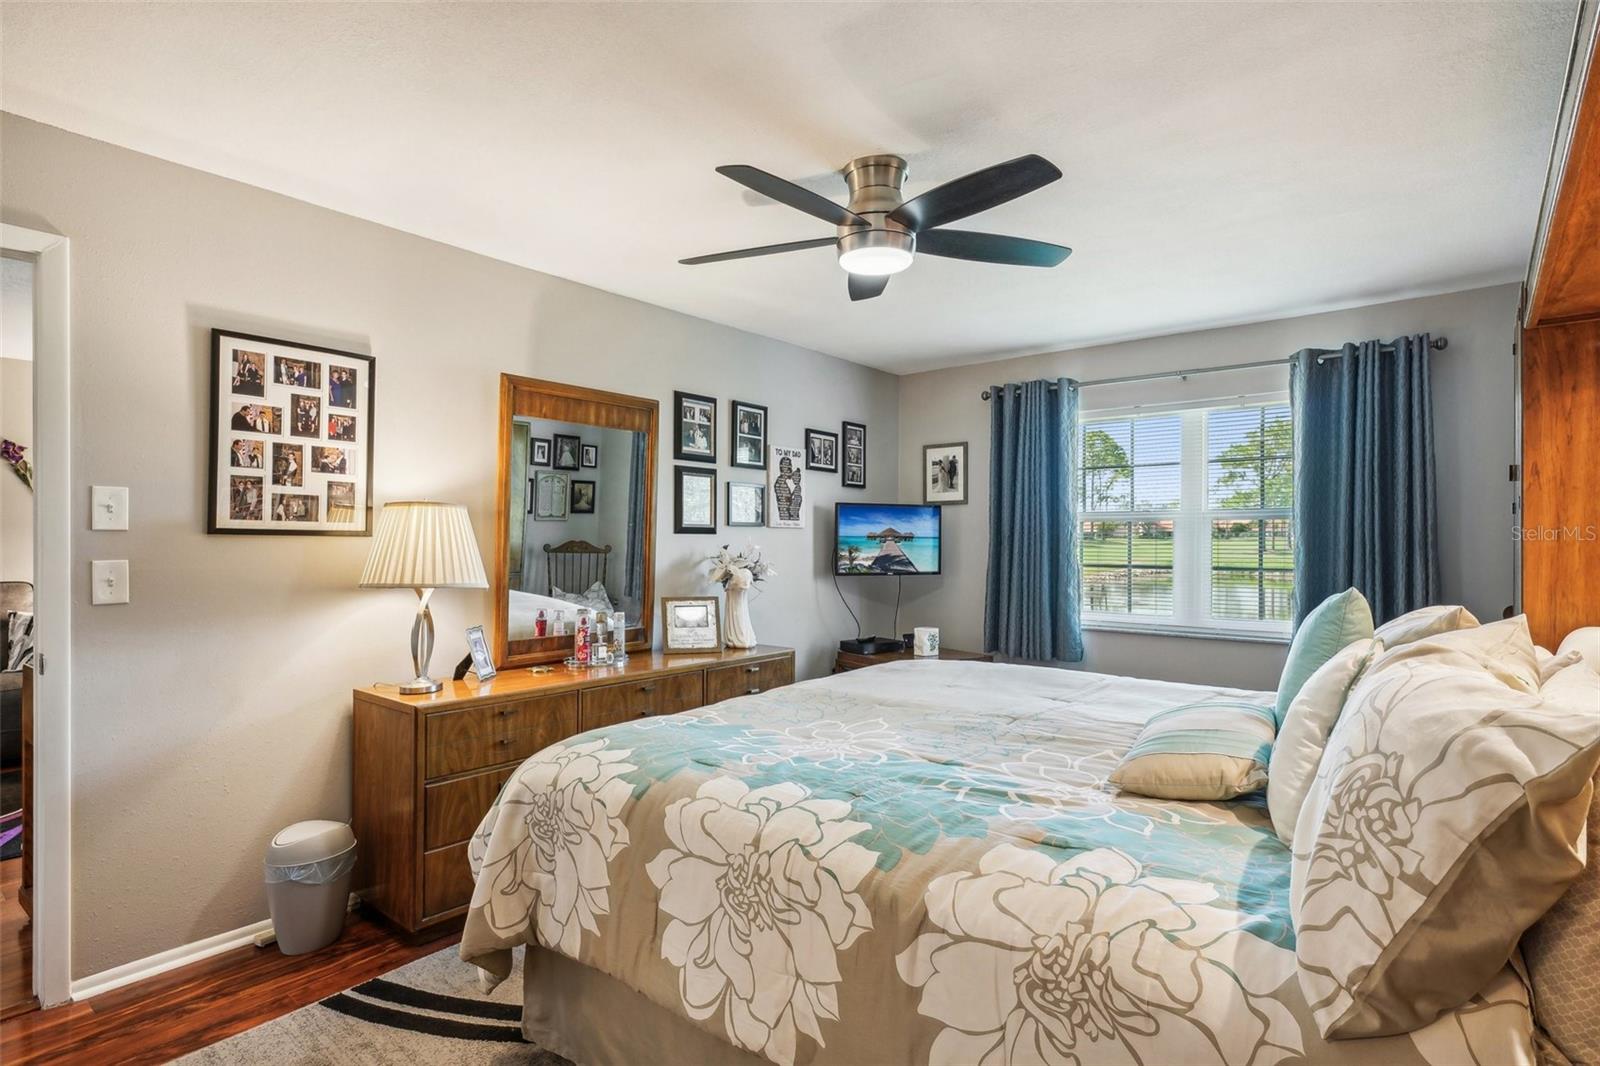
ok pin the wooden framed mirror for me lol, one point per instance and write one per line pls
(575, 515)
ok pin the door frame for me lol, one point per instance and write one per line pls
(52, 582)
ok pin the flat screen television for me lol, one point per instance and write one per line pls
(886, 539)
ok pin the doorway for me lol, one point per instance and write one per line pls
(35, 621)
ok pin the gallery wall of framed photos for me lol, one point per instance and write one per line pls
(291, 438)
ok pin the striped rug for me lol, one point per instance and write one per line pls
(427, 1011)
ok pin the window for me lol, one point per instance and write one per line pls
(1186, 518)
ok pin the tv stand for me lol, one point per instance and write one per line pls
(872, 645)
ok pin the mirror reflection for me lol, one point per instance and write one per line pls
(576, 525)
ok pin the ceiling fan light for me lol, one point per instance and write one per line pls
(875, 262)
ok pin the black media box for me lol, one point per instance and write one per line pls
(872, 645)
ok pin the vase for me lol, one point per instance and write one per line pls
(740, 633)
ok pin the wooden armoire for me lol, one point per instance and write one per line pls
(1559, 524)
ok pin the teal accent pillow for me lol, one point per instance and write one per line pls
(1333, 624)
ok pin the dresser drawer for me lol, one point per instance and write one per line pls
(446, 880)
(453, 809)
(477, 737)
(743, 679)
(611, 704)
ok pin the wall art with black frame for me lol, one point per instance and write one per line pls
(749, 435)
(694, 500)
(853, 456)
(291, 438)
(694, 424)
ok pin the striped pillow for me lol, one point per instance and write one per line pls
(1212, 750)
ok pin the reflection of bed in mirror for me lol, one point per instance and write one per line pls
(572, 570)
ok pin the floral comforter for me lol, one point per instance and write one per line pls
(923, 862)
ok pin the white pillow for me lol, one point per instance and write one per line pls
(594, 597)
(1586, 641)
(1305, 730)
(1424, 622)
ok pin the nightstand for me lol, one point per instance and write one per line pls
(849, 660)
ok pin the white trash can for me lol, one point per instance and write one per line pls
(308, 869)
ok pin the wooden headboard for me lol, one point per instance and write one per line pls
(574, 565)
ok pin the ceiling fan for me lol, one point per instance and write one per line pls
(879, 231)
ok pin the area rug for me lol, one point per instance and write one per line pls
(427, 1011)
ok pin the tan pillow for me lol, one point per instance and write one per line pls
(1297, 751)
(1424, 622)
(1446, 817)
(1562, 952)
(1212, 750)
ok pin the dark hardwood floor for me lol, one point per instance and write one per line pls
(16, 944)
(177, 1012)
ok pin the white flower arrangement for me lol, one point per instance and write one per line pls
(741, 570)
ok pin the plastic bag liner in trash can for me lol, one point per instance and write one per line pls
(308, 868)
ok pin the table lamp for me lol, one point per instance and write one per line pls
(423, 546)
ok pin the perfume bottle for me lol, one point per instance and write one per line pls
(541, 624)
(580, 640)
(619, 640)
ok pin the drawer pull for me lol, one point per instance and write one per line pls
(647, 688)
(645, 713)
(755, 690)
(503, 741)
(753, 669)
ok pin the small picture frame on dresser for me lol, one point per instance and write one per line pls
(690, 624)
(478, 648)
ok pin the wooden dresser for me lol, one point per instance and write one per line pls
(428, 767)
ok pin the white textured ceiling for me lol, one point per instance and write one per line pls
(1224, 162)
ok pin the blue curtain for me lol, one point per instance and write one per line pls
(1364, 501)
(1031, 607)
(638, 492)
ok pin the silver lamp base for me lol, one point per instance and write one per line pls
(420, 687)
(421, 649)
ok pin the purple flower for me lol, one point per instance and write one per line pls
(11, 451)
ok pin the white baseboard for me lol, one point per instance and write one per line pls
(171, 959)
(256, 934)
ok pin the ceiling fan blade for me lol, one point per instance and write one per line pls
(765, 249)
(787, 192)
(990, 248)
(978, 191)
(866, 286)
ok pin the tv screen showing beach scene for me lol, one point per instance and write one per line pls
(886, 538)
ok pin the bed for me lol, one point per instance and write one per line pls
(918, 862)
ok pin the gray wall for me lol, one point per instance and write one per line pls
(215, 708)
(1474, 417)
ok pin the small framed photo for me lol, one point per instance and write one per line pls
(538, 451)
(478, 648)
(854, 475)
(944, 473)
(551, 496)
(786, 478)
(747, 503)
(749, 435)
(582, 497)
(293, 415)
(822, 450)
(566, 449)
(691, 624)
(591, 455)
(695, 427)
(694, 500)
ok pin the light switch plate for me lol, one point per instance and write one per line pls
(108, 581)
(108, 507)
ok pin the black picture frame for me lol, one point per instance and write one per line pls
(589, 456)
(817, 457)
(760, 489)
(706, 429)
(574, 508)
(738, 439)
(572, 443)
(680, 476)
(258, 392)
(957, 451)
(538, 451)
(853, 474)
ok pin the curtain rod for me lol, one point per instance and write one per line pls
(1438, 344)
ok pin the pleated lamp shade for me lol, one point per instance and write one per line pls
(423, 545)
